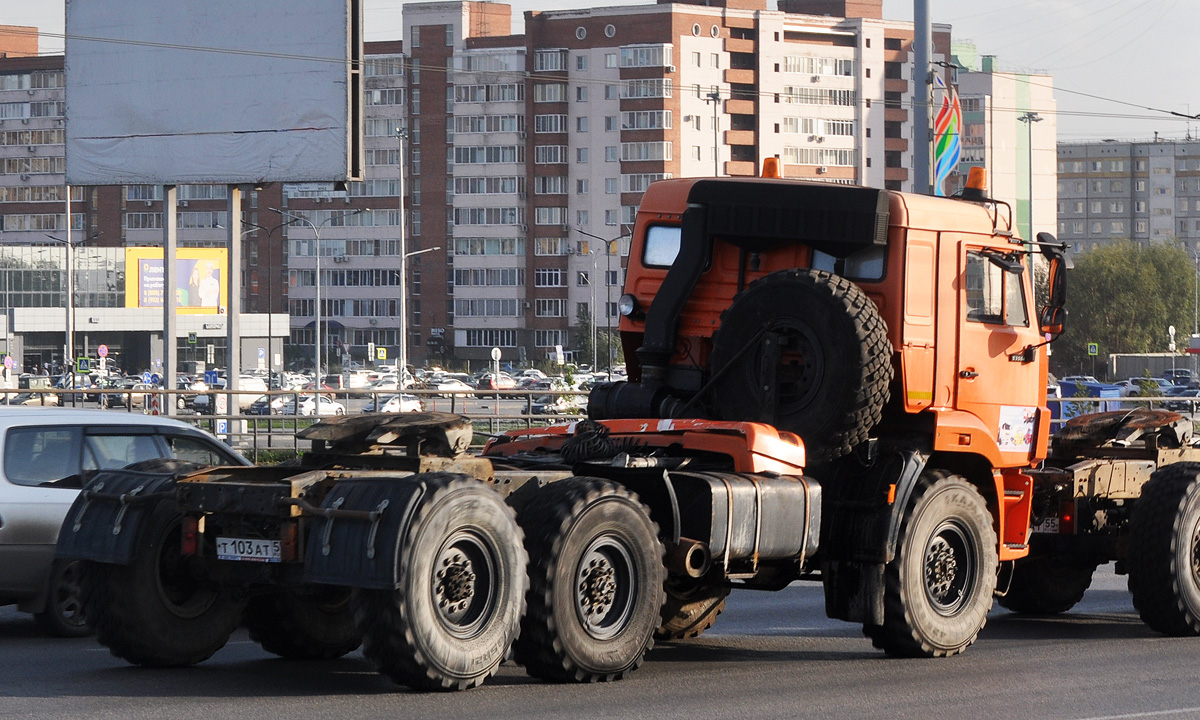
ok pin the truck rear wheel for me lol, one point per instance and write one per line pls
(940, 584)
(596, 582)
(829, 356)
(461, 590)
(310, 623)
(1046, 586)
(156, 611)
(691, 608)
(1164, 550)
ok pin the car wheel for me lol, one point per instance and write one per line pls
(64, 615)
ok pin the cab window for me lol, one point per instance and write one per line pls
(662, 245)
(994, 296)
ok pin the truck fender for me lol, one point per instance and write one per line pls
(861, 530)
(355, 535)
(106, 522)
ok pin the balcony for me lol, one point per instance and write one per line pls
(739, 107)
(739, 76)
(739, 45)
(741, 168)
(739, 137)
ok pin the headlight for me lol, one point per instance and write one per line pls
(627, 305)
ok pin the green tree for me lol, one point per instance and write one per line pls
(1124, 297)
(604, 341)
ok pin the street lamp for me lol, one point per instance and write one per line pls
(403, 359)
(715, 98)
(317, 279)
(70, 263)
(1029, 119)
(607, 291)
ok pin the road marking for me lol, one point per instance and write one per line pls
(1152, 713)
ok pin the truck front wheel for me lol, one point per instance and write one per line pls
(1164, 550)
(596, 582)
(460, 590)
(310, 623)
(940, 584)
(157, 611)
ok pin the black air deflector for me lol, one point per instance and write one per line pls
(760, 214)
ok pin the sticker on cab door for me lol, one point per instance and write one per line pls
(1015, 432)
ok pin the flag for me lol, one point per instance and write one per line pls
(947, 142)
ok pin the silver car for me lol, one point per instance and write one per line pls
(46, 455)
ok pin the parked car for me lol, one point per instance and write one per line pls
(556, 405)
(45, 458)
(1178, 376)
(132, 395)
(312, 406)
(395, 404)
(267, 405)
(1185, 400)
(453, 387)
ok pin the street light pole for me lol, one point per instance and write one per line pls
(402, 361)
(316, 280)
(715, 98)
(1029, 119)
(608, 250)
(402, 355)
(270, 298)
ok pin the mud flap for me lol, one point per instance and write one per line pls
(860, 533)
(355, 542)
(105, 522)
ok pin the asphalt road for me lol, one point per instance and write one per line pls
(771, 655)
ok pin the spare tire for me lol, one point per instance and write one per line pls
(807, 352)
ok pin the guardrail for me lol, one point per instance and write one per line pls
(260, 435)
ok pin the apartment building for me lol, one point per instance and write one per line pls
(1145, 191)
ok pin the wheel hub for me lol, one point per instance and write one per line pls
(941, 567)
(598, 587)
(456, 582)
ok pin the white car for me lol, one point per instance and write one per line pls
(310, 406)
(47, 456)
(395, 404)
(453, 387)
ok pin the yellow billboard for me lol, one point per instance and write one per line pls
(201, 285)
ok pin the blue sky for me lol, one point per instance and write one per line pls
(1132, 55)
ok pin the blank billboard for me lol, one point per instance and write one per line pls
(214, 92)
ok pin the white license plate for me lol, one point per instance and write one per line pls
(248, 550)
(1047, 526)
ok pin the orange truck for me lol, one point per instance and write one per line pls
(826, 383)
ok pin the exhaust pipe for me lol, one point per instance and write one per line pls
(689, 557)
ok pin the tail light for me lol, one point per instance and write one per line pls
(1066, 517)
(287, 542)
(190, 537)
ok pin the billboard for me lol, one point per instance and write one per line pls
(201, 285)
(223, 91)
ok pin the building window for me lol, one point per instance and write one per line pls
(610, 123)
(544, 60)
(610, 60)
(449, 35)
(581, 155)
(581, 60)
(696, 59)
(582, 218)
(581, 187)
(581, 93)
(610, 186)
(581, 124)
(610, 153)
(550, 216)
(548, 277)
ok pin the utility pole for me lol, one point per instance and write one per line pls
(1029, 119)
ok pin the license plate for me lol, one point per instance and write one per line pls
(248, 550)
(1047, 526)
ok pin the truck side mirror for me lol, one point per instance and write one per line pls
(1056, 280)
(1053, 320)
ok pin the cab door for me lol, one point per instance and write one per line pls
(996, 324)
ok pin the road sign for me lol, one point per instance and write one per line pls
(1093, 349)
(83, 365)
(211, 355)
(155, 379)
(9, 362)
(496, 354)
(210, 378)
(381, 353)
(102, 351)
(146, 377)
(222, 426)
(191, 338)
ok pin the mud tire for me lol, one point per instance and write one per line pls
(690, 609)
(939, 586)
(406, 633)
(832, 380)
(1164, 551)
(582, 534)
(1046, 586)
(310, 623)
(155, 612)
